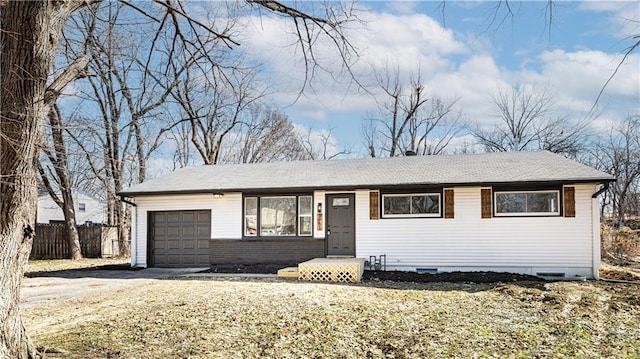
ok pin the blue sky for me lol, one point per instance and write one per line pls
(462, 54)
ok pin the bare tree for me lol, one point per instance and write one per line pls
(55, 169)
(408, 119)
(528, 120)
(619, 154)
(180, 135)
(266, 136)
(29, 36)
(213, 103)
(321, 145)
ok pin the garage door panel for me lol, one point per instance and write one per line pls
(203, 230)
(180, 238)
(190, 217)
(162, 247)
(188, 231)
(174, 217)
(173, 231)
(188, 244)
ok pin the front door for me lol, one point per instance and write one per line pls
(341, 224)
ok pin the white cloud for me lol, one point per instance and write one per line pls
(624, 18)
(474, 82)
(452, 65)
(579, 76)
(412, 42)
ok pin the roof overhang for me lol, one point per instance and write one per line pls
(404, 186)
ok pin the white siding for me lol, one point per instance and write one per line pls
(226, 217)
(468, 242)
(94, 210)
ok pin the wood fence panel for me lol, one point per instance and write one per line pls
(51, 241)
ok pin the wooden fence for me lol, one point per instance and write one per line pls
(51, 241)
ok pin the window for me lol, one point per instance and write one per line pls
(251, 216)
(305, 207)
(275, 216)
(82, 207)
(411, 205)
(527, 203)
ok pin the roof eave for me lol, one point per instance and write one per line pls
(299, 189)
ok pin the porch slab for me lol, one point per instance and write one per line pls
(346, 270)
(289, 272)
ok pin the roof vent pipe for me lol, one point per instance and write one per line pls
(410, 153)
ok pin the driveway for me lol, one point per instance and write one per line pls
(71, 284)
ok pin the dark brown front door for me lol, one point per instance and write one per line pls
(341, 224)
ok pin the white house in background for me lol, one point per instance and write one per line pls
(88, 209)
(523, 212)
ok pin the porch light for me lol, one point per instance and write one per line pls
(217, 195)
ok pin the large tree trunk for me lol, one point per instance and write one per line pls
(73, 237)
(29, 33)
(58, 158)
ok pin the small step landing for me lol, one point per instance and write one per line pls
(289, 272)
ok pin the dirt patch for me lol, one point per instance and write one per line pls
(262, 268)
(453, 277)
(396, 276)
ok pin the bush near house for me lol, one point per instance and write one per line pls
(620, 246)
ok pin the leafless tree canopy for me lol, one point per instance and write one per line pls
(618, 153)
(408, 118)
(527, 120)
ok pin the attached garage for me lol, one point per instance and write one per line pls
(179, 238)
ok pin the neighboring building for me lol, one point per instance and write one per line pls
(89, 210)
(522, 212)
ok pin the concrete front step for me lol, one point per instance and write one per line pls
(289, 272)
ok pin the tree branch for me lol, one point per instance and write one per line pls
(75, 71)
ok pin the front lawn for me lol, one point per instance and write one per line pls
(244, 318)
(55, 265)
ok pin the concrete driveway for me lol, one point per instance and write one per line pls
(68, 285)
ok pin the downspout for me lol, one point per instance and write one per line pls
(134, 247)
(601, 190)
(595, 235)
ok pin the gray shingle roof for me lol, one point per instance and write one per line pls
(469, 169)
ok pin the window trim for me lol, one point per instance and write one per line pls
(259, 197)
(244, 216)
(300, 216)
(557, 213)
(409, 215)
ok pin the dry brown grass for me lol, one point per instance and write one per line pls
(54, 265)
(620, 246)
(619, 273)
(243, 318)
